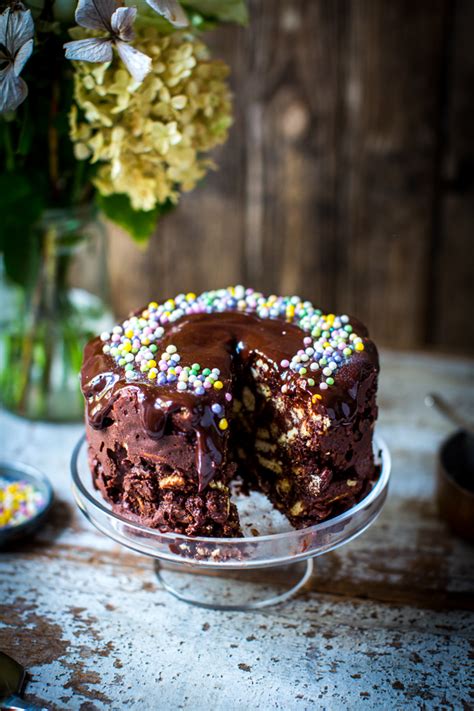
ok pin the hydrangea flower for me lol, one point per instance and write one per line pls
(171, 11)
(16, 45)
(148, 140)
(117, 22)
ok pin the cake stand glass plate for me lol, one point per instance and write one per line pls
(269, 564)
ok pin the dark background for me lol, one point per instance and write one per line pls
(348, 177)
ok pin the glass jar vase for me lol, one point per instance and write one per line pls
(45, 325)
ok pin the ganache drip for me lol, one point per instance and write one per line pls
(224, 340)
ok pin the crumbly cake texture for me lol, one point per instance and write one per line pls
(185, 396)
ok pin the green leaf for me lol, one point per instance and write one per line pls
(200, 23)
(21, 205)
(223, 10)
(140, 224)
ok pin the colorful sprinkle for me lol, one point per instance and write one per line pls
(326, 344)
(20, 501)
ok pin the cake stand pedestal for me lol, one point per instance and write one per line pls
(234, 590)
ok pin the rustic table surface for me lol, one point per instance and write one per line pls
(386, 622)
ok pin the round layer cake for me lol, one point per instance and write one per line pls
(186, 396)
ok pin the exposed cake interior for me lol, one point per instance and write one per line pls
(164, 453)
(308, 468)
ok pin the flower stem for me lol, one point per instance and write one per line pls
(78, 180)
(53, 141)
(41, 310)
(9, 152)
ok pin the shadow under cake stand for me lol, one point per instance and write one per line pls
(268, 565)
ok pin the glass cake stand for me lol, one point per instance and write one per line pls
(268, 565)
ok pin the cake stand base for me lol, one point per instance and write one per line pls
(234, 590)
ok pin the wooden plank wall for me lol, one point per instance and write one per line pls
(348, 177)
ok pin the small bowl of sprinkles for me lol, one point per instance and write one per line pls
(26, 496)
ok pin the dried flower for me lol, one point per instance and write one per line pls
(148, 140)
(16, 45)
(171, 11)
(117, 22)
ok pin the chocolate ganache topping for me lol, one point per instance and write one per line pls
(185, 354)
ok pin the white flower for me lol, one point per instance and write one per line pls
(16, 45)
(117, 22)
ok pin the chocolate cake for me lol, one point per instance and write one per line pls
(187, 396)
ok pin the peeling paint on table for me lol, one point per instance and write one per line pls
(387, 622)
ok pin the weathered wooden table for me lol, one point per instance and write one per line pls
(386, 623)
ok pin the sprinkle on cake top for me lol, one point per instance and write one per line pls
(135, 344)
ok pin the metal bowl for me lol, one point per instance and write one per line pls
(455, 484)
